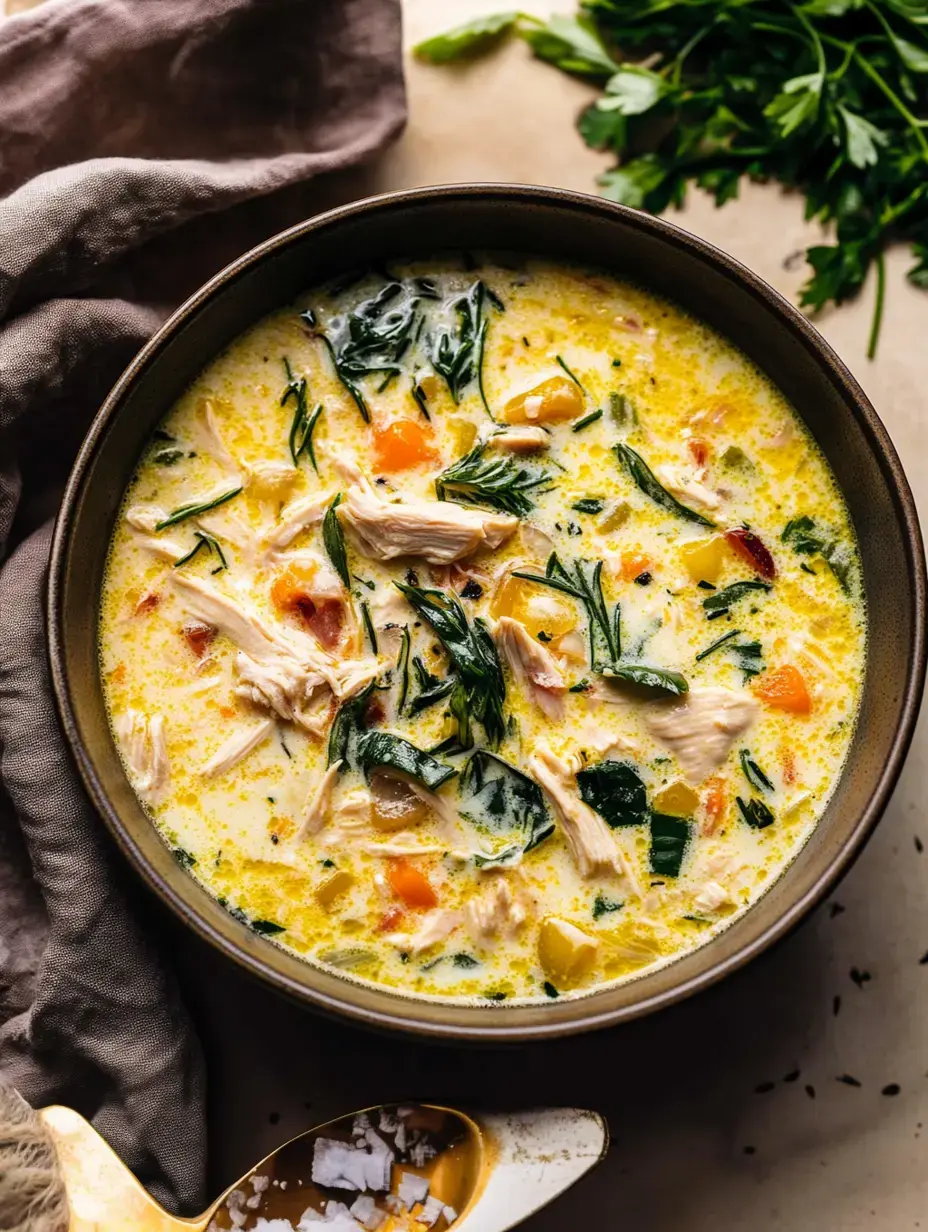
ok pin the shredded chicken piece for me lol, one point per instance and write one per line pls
(211, 438)
(167, 549)
(284, 686)
(298, 515)
(236, 748)
(145, 517)
(230, 528)
(590, 841)
(711, 897)
(404, 843)
(144, 746)
(701, 729)
(522, 439)
(435, 927)
(496, 913)
(595, 738)
(533, 666)
(687, 489)
(319, 803)
(438, 531)
(270, 479)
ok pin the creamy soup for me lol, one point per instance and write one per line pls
(485, 631)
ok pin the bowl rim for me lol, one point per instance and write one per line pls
(586, 1017)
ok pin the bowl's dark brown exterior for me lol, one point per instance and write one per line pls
(560, 225)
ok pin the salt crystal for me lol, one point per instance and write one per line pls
(366, 1210)
(430, 1212)
(412, 1188)
(260, 1183)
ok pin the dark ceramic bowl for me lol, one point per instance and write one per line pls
(559, 225)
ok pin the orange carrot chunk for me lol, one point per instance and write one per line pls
(407, 883)
(633, 565)
(402, 444)
(715, 806)
(784, 689)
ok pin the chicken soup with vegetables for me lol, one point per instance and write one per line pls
(487, 633)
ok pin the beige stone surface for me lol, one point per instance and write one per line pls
(726, 1112)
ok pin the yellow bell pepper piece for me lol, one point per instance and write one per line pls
(539, 610)
(704, 559)
(566, 952)
(553, 401)
(326, 893)
(677, 800)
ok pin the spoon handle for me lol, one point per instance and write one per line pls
(103, 1194)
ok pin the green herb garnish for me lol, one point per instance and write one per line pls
(304, 423)
(432, 689)
(499, 799)
(585, 584)
(804, 537)
(466, 961)
(622, 410)
(604, 906)
(589, 504)
(334, 540)
(669, 839)
(825, 97)
(615, 790)
(586, 421)
(267, 928)
(458, 355)
(482, 691)
(402, 667)
(195, 508)
(643, 476)
(717, 644)
(755, 813)
(721, 600)
(206, 541)
(168, 457)
(183, 857)
(576, 380)
(369, 625)
(657, 678)
(497, 482)
(550, 990)
(378, 749)
(753, 773)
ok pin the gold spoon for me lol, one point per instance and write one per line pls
(491, 1170)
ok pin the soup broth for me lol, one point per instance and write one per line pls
(489, 632)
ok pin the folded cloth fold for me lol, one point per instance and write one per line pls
(124, 124)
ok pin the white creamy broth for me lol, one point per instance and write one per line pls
(363, 727)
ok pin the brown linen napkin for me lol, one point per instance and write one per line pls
(126, 126)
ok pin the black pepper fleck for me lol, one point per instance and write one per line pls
(792, 1076)
(472, 590)
(749, 1150)
(412, 578)
(891, 1088)
(835, 909)
(274, 839)
(763, 1087)
(919, 845)
(849, 1080)
(836, 1006)
(924, 959)
(860, 977)
(810, 1091)
(643, 579)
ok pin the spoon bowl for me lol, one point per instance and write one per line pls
(485, 1172)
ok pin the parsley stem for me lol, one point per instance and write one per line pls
(878, 306)
(816, 41)
(915, 124)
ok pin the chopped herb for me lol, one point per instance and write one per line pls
(304, 423)
(183, 857)
(807, 568)
(617, 363)
(585, 584)
(472, 589)
(586, 421)
(371, 338)
(378, 749)
(458, 355)
(418, 394)
(669, 839)
(465, 961)
(496, 996)
(757, 815)
(267, 928)
(648, 483)
(402, 667)
(550, 990)
(544, 637)
(499, 799)
(717, 644)
(704, 585)
(204, 540)
(722, 600)
(804, 537)
(589, 504)
(574, 378)
(656, 678)
(334, 540)
(604, 906)
(615, 790)
(195, 508)
(168, 457)
(327, 863)
(498, 482)
(369, 625)
(432, 688)
(525, 341)
(622, 410)
(346, 729)
(580, 687)
(753, 773)
(482, 691)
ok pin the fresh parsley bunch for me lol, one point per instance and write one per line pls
(829, 97)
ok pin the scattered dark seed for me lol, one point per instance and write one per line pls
(860, 977)
(836, 1006)
(810, 1091)
(763, 1087)
(835, 909)
(274, 1118)
(749, 1150)
(919, 845)
(412, 578)
(924, 959)
(643, 579)
(791, 1076)
(848, 1079)
(891, 1088)
(274, 839)
(472, 590)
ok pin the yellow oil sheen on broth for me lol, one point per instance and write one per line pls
(486, 633)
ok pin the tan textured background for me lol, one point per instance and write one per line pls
(702, 1141)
